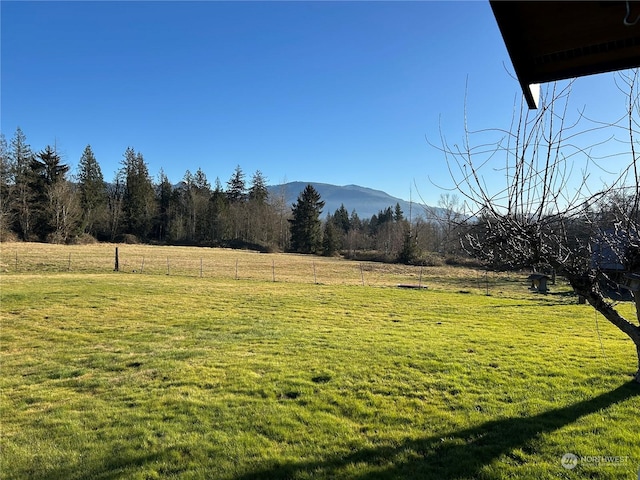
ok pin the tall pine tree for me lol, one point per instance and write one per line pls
(5, 188)
(330, 239)
(164, 194)
(93, 191)
(305, 225)
(47, 173)
(259, 212)
(139, 195)
(196, 191)
(218, 213)
(236, 186)
(20, 157)
(258, 190)
(341, 219)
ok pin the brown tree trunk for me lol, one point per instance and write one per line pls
(637, 375)
(598, 302)
(636, 297)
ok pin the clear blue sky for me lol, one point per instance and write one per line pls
(334, 92)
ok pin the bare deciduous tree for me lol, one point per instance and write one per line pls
(64, 209)
(550, 213)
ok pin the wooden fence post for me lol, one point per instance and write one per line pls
(117, 266)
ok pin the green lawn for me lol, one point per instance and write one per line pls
(122, 376)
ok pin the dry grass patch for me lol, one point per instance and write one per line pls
(222, 263)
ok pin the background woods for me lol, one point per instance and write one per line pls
(43, 199)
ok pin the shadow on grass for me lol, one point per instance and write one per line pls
(453, 455)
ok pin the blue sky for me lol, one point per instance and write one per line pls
(334, 92)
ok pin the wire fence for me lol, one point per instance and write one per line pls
(219, 263)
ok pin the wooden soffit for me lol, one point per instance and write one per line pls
(556, 40)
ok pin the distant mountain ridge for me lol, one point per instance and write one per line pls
(365, 201)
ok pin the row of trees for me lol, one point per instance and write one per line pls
(41, 201)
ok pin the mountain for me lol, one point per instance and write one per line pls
(365, 201)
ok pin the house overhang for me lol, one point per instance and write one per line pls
(557, 40)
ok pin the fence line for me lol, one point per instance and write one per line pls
(220, 264)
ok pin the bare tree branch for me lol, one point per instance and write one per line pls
(544, 216)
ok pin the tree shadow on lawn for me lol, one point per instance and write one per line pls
(453, 455)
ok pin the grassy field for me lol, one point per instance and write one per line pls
(111, 375)
(222, 264)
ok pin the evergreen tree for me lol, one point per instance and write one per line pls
(47, 166)
(377, 222)
(164, 192)
(93, 191)
(20, 156)
(47, 197)
(341, 219)
(354, 221)
(201, 183)
(260, 227)
(409, 251)
(196, 191)
(5, 187)
(305, 225)
(139, 195)
(218, 213)
(217, 186)
(385, 216)
(398, 214)
(258, 191)
(330, 238)
(5, 166)
(236, 186)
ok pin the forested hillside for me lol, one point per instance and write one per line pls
(41, 201)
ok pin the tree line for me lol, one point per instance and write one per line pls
(41, 201)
